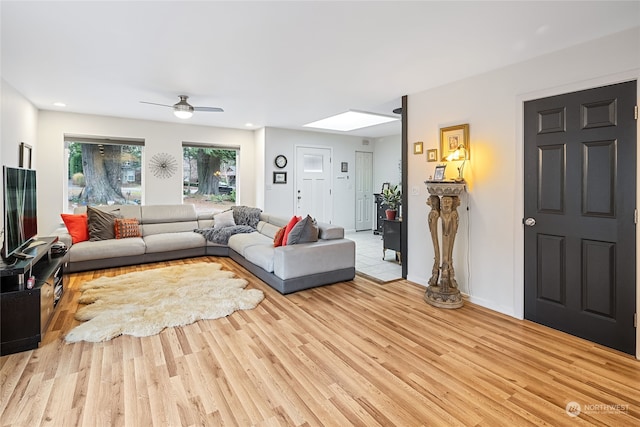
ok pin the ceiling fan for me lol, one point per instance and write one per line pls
(183, 109)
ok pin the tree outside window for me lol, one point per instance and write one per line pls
(209, 177)
(103, 174)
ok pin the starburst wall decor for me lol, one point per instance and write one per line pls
(163, 165)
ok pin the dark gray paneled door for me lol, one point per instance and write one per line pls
(580, 201)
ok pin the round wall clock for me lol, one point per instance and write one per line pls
(281, 161)
(163, 165)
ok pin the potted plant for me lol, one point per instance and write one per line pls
(391, 198)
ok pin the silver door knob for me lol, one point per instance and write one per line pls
(530, 222)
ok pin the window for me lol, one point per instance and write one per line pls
(103, 171)
(312, 163)
(210, 176)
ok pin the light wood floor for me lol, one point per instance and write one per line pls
(354, 353)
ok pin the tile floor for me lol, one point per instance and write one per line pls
(369, 257)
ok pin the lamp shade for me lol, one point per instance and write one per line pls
(459, 154)
(183, 114)
(183, 109)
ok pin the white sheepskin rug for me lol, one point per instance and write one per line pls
(145, 302)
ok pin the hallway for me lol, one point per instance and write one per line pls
(369, 260)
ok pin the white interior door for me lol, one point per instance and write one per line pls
(313, 183)
(364, 190)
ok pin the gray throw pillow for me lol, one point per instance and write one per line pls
(245, 215)
(305, 231)
(223, 219)
(101, 224)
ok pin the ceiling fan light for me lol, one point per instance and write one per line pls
(183, 109)
(183, 114)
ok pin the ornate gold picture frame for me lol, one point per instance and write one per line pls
(452, 138)
(417, 147)
(432, 155)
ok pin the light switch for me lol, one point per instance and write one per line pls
(415, 191)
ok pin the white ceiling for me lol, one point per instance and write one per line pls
(279, 64)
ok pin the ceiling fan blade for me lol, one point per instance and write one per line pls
(210, 109)
(153, 103)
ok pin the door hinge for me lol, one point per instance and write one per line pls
(635, 216)
(635, 112)
(635, 320)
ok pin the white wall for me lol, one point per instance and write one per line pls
(259, 138)
(387, 161)
(279, 199)
(159, 137)
(19, 121)
(489, 248)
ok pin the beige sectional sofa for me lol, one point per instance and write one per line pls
(167, 233)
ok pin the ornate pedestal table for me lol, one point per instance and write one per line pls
(444, 202)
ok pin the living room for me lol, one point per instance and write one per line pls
(489, 250)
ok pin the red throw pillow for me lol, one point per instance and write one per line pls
(277, 240)
(292, 222)
(77, 226)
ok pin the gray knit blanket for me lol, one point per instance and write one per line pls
(221, 235)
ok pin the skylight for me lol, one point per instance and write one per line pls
(351, 120)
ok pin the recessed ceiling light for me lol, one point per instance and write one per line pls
(248, 125)
(59, 104)
(351, 120)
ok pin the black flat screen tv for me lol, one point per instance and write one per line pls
(20, 212)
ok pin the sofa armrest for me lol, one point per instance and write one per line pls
(312, 258)
(63, 235)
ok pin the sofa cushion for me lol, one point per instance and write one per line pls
(165, 242)
(205, 219)
(223, 219)
(245, 215)
(260, 255)
(240, 242)
(305, 231)
(104, 249)
(76, 226)
(278, 221)
(168, 227)
(101, 224)
(158, 214)
(268, 230)
(330, 231)
(126, 228)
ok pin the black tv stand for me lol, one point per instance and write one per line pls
(25, 313)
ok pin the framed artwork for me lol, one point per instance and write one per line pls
(417, 147)
(452, 138)
(279, 177)
(438, 175)
(25, 155)
(344, 167)
(163, 165)
(432, 155)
